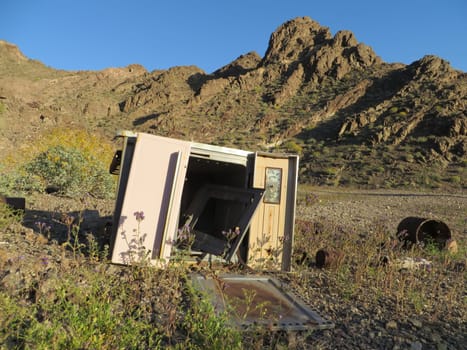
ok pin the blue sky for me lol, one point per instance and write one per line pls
(97, 34)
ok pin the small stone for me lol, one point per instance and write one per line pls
(391, 325)
(435, 337)
(441, 346)
(416, 345)
(416, 323)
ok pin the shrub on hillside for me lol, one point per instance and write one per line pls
(73, 162)
(293, 147)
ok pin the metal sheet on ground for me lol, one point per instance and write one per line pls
(252, 300)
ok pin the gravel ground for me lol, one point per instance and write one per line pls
(363, 323)
(360, 209)
(360, 322)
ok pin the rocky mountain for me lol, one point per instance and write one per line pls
(354, 119)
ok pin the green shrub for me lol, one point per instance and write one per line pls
(70, 171)
(421, 139)
(408, 157)
(72, 161)
(402, 114)
(207, 330)
(438, 108)
(8, 216)
(293, 147)
(77, 318)
(455, 179)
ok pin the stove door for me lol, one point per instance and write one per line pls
(148, 218)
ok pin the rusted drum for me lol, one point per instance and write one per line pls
(415, 230)
(328, 258)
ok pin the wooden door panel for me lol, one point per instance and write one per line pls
(267, 228)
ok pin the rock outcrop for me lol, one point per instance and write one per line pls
(310, 88)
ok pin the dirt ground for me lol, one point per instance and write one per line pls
(359, 322)
(361, 208)
(352, 208)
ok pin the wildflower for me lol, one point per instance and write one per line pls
(182, 236)
(45, 260)
(122, 220)
(139, 215)
(231, 234)
(185, 237)
(311, 199)
(42, 226)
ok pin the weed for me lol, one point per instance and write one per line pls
(44, 228)
(455, 179)
(185, 238)
(137, 253)
(9, 216)
(93, 249)
(73, 225)
(204, 328)
(417, 299)
(79, 316)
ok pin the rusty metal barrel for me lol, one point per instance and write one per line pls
(328, 258)
(416, 230)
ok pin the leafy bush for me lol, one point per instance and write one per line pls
(408, 157)
(205, 329)
(8, 216)
(72, 161)
(456, 179)
(293, 147)
(402, 114)
(68, 170)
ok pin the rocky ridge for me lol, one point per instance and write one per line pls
(313, 93)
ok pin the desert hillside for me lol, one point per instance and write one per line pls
(354, 119)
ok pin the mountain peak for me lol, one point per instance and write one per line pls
(304, 41)
(11, 52)
(290, 41)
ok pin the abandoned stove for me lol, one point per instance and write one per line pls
(235, 205)
(210, 202)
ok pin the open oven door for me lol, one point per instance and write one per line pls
(272, 226)
(151, 182)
